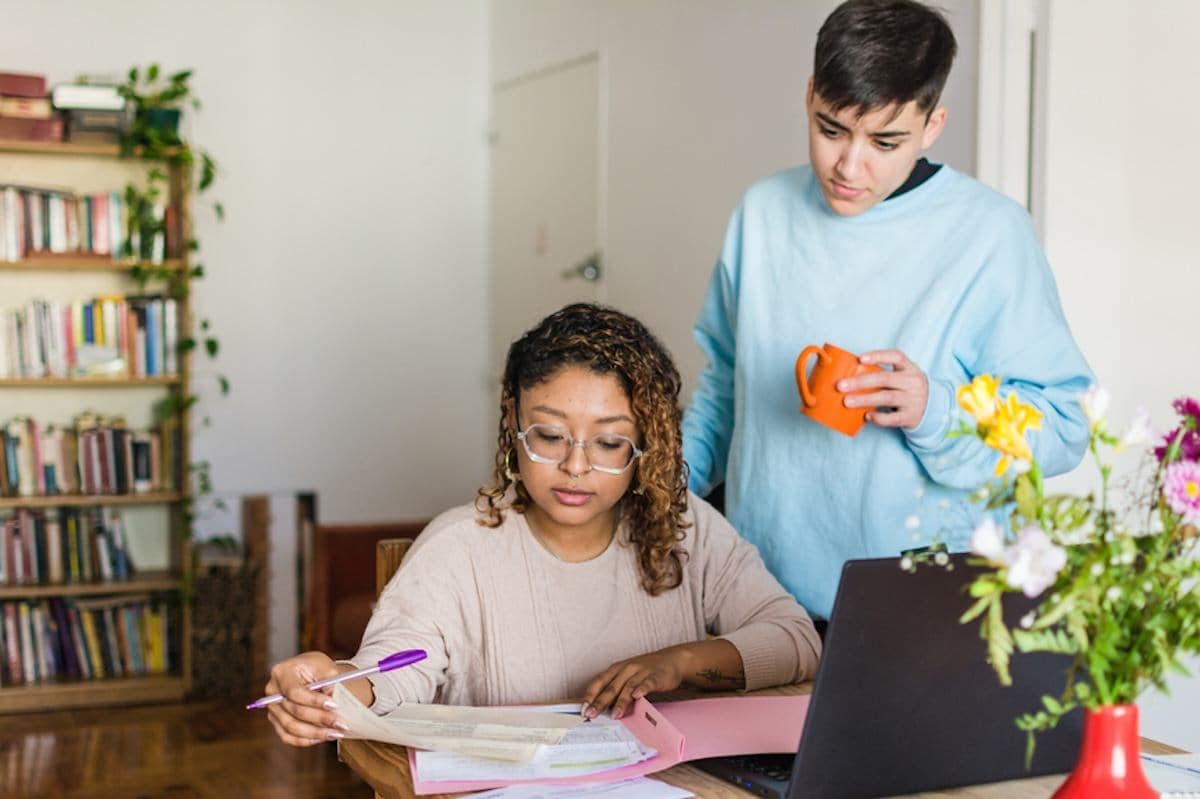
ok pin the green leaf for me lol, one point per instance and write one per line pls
(223, 381)
(133, 74)
(197, 271)
(212, 346)
(181, 77)
(1026, 496)
(204, 324)
(152, 73)
(187, 344)
(220, 211)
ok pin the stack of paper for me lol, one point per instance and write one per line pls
(482, 732)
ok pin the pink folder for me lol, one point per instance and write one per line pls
(678, 731)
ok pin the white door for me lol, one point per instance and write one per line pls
(545, 202)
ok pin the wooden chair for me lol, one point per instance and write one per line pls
(388, 554)
(343, 582)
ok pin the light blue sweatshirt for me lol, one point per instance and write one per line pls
(951, 273)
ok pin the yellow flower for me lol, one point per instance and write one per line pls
(1006, 433)
(978, 398)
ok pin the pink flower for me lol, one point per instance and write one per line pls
(1181, 488)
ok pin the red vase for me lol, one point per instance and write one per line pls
(1109, 764)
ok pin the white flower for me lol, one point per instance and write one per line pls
(988, 541)
(1034, 561)
(1020, 465)
(912, 522)
(944, 504)
(1113, 594)
(1095, 403)
(920, 492)
(1140, 431)
(1028, 619)
(941, 558)
(906, 563)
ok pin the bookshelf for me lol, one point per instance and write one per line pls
(155, 519)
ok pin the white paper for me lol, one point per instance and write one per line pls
(482, 732)
(1173, 775)
(637, 788)
(600, 745)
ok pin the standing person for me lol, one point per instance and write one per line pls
(920, 269)
(586, 568)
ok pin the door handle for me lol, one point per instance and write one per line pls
(588, 269)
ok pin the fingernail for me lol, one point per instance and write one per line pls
(330, 704)
(333, 736)
(341, 725)
(590, 713)
(842, 386)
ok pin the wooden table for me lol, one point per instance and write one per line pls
(385, 768)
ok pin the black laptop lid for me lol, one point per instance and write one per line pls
(904, 699)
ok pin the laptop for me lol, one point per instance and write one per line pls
(904, 700)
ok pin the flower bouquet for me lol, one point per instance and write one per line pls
(1117, 581)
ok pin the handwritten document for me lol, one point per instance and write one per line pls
(487, 733)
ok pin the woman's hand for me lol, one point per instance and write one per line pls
(305, 717)
(626, 681)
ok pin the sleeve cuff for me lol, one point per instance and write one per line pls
(759, 662)
(386, 695)
(931, 431)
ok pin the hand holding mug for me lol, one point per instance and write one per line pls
(893, 398)
(822, 394)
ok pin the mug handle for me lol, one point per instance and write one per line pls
(802, 369)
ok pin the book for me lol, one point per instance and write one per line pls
(16, 84)
(26, 107)
(22, 129)
(91, 97)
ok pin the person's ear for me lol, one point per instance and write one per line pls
(933, 127)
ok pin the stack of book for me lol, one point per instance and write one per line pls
(84, 639)
(108, 336)
(94, 113)
(94, 456)
(26, 113)
(63, 545)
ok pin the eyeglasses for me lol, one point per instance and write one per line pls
(608, 453)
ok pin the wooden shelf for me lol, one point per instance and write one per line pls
(85, 263)
(68, 148)
(91, 693)
(141, 583)
(76, 500)
(89, 382)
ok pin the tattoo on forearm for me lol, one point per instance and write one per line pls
(718, 677)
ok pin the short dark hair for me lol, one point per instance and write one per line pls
(873, 53)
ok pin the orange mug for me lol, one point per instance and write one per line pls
(822, 401)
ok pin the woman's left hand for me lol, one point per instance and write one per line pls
(626, 681)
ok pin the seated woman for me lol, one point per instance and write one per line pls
(586, 569)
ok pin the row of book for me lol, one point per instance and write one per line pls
(79, 112)
(52, 640)
(63, 545)
(113, 336)
(97, 455)
(36, 222)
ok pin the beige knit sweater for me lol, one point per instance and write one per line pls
(505, 622)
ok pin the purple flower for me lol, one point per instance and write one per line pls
(1187, 406)
(1189, 445)
(1181, 487)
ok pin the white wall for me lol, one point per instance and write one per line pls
(347, 284)
(704, 96)
(1120, 182)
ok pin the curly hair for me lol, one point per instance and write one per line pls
(606, 341)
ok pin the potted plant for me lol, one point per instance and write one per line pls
(1117, 582)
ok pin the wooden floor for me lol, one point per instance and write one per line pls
(199, 750)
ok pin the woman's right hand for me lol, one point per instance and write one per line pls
(305, 717)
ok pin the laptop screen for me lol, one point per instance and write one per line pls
(905, 700)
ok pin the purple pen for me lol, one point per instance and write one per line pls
(406, 657)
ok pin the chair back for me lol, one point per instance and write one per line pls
(388, 554)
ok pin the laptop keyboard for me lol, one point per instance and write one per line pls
(764, 775)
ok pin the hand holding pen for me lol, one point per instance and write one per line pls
(300, 713)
